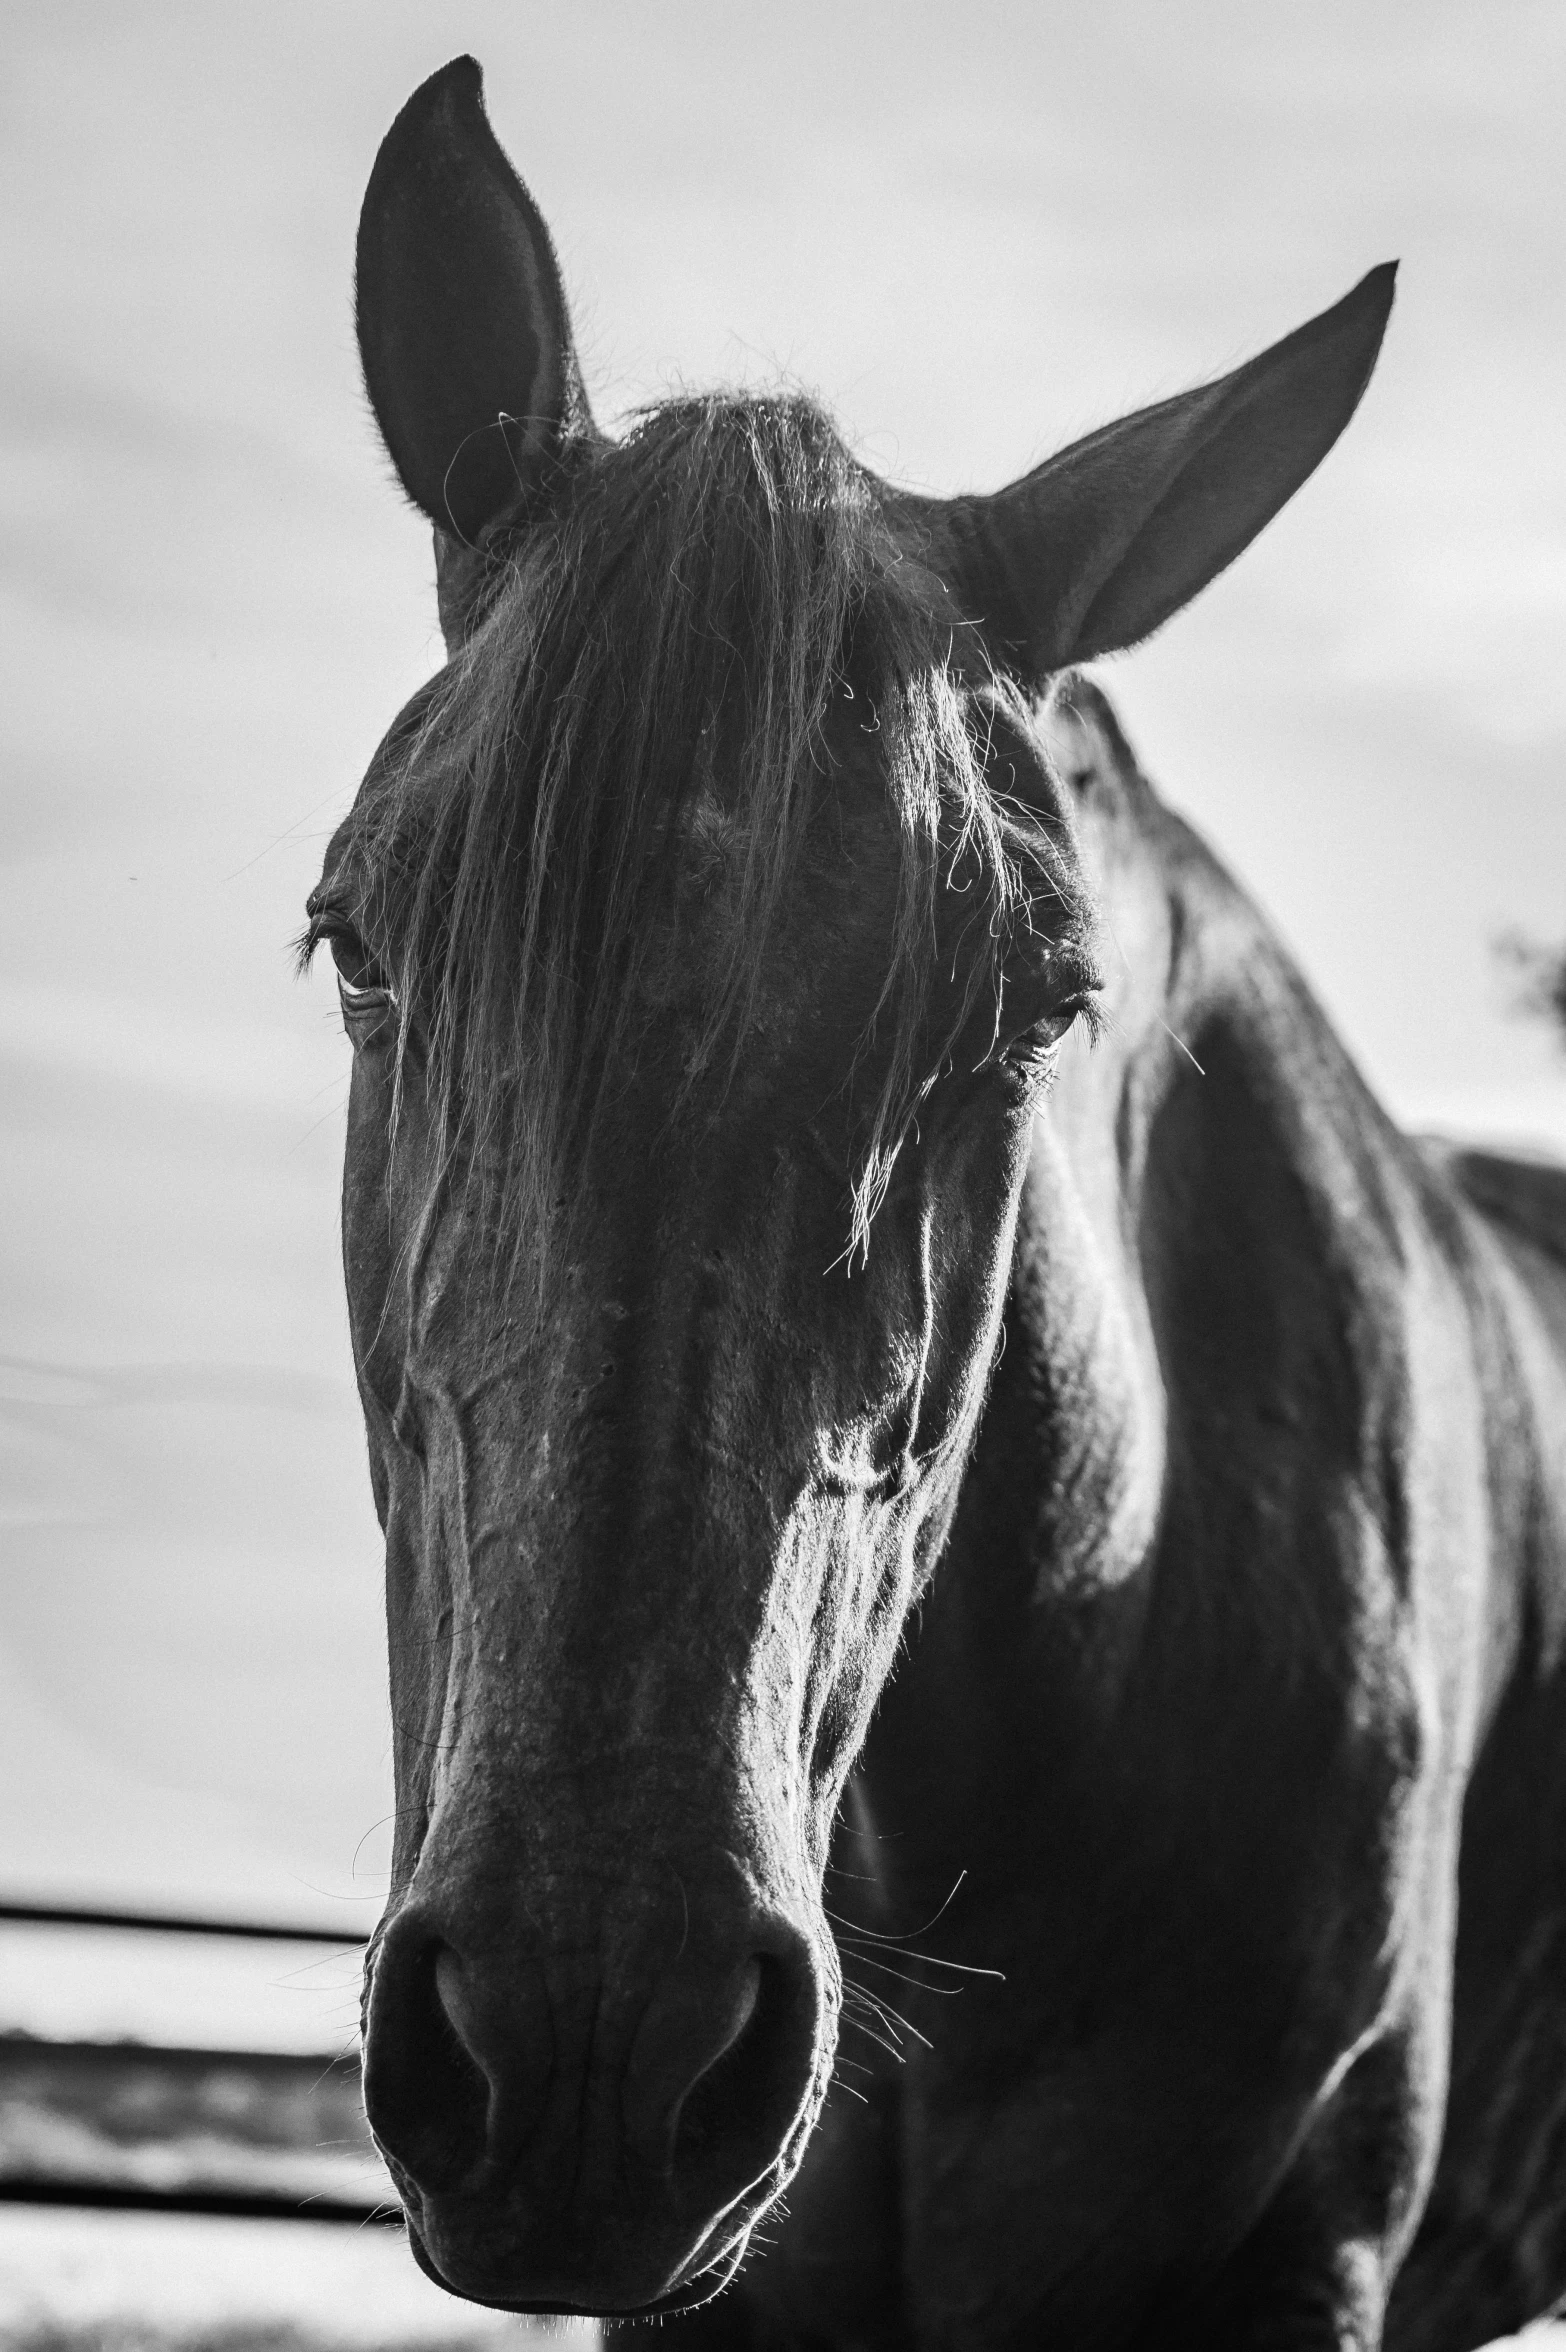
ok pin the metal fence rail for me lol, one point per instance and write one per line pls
(232, 2205)
(174, 1923)
(132, 2126)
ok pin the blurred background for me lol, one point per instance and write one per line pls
(976, 233)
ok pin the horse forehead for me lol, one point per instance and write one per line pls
(839, 898)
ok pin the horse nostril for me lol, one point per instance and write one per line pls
(739, 2109)
(451, 1993)
(426, 2096)
(745, 2003)
(701, 2110)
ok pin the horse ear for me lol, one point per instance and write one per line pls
(463, 330)
(1099, 545)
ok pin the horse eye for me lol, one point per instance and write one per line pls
(359, 977)
(1034, 1050)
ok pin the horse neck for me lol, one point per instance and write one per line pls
(1035, 1622)
(1181, 942)
(1217, 1091)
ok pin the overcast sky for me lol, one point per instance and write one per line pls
(976, 232)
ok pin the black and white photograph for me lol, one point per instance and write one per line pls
(783, 1176)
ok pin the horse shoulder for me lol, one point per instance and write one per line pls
(1490, 2253)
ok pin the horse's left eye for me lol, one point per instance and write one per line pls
(1033, 1051)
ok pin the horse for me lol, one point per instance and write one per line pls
(975, 1542)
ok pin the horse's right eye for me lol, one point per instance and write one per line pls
(360, 979)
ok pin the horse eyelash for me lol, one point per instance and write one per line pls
(323, 925)
(310, 940)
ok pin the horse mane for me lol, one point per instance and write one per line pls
(671, 635)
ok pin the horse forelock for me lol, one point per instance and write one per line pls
(654, 674)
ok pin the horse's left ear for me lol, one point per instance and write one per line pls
(463, 329)
(1102, 543)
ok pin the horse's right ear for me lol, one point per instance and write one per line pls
(463, 331)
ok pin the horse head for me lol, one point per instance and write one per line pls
(707, 933)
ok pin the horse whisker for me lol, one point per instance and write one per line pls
(940, 1992)
(891, 2047)
(925, 1959)
(892, 2018)
(880, 1939)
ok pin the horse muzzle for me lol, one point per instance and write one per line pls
(586, 2106)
